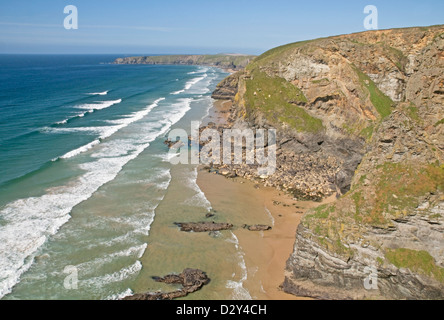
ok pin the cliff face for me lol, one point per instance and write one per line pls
(362, 116)
(226, 61)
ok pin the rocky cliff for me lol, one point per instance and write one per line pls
(361, 116)
(226, 61)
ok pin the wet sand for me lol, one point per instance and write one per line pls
(265, 252)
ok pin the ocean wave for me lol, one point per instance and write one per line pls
(93, 265)
(204, 85)
(108, 131)
(189, 84)
(80, 150)
(99, 105)
(160, 180)
(120, 296)
(117, 276)
(200, 70)
(104, 93)
(90, 108)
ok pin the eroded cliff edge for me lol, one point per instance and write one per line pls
(360, 116)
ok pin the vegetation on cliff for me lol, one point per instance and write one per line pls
(280, 101)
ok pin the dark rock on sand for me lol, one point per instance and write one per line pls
(191, 279)
(203, 226)
(173, 144)
(257, 227)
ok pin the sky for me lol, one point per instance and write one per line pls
(194, 26)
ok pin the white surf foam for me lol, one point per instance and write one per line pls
(117, 276)
(119, 296)
(104, 93)
(199, 199)
(200, 70)
(269, 214)
(239, 292)
(108, 131)
(99, 105)
(189, 84)
(92, 266)
(80, 150)
(91, 107)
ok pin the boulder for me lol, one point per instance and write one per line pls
(203, 226)
(257, 227)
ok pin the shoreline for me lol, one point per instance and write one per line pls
(265, 252)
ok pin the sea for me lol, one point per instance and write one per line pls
(88, 196)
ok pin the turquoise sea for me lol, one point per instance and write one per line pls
(84, 173)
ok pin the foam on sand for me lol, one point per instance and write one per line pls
(239, 292)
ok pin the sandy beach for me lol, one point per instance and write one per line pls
(265, 252)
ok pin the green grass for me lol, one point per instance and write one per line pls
(412, 111)
(380, 101)
(280, 102)
(398, 58)
(358, 130)
(322, 212)
(367, 132)
(323, 80)
(400, 186)
(276, 53)
(380, 261)
(439, 122)
(417, 261)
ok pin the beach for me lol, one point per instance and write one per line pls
(264, 252)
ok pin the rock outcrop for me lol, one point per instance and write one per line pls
(203, 226)
(361, 116)
(191, 280)
(227, 88)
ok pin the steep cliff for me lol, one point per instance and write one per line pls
(225, 61)
(361, 116)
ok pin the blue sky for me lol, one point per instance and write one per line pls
(194, 26)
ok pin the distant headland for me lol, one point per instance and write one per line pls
(232, 62)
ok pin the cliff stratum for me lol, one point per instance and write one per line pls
(225, 61)
(360, 116)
